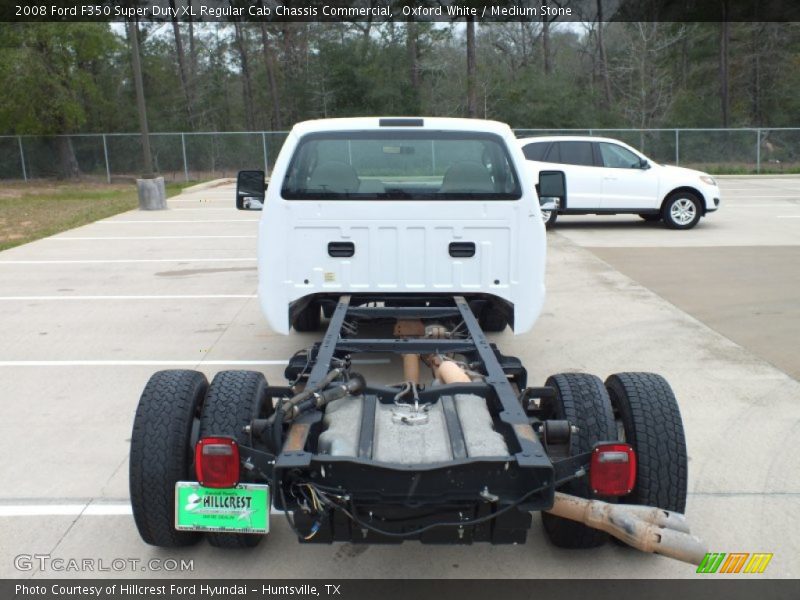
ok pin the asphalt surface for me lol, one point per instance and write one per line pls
(738, 271)
(86, 317)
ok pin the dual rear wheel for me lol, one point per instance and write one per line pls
(176, 408)
(637, 408)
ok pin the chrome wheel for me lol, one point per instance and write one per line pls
(683, 211)
(546, 216)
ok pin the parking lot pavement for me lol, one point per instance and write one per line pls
(81, 338)
(738, 271)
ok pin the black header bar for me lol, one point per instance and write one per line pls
(442, 11)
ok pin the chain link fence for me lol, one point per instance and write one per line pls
(201, 156)
(118, 156)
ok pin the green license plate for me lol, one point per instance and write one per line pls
(243, 509)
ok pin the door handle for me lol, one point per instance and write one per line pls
(462, 249)
(341, 249)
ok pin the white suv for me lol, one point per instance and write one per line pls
(605, 176)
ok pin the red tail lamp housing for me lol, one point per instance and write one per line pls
(612, 471)
(216, 462)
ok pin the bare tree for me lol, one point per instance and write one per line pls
(412, 52)
(514, 41)
(547, 21)
(247, 82)
(192, 48)
(601, 51)
(182, 70)
(133, 35)
(724, 41)
(644, 83)
(546, 66)
(269, 65)
(472, 97)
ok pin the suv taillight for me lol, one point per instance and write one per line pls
(613, 469)
(216, 462)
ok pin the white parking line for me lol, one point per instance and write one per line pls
(122, 260)
(64, 510)
(153, 297)
(152, 237)
(730, 205)
(788, 217)
(165, 363)
(229, 200)
(127, 221)
(74, 510)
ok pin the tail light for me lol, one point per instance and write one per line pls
(216, 462)
(613, 469)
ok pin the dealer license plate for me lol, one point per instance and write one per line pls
(243, 509)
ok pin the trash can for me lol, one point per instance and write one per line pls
(152, 194)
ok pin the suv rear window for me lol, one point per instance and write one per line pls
(572, 153)
(401, 164)
(535, 151)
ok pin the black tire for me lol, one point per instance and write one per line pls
(233, 400)
(582, 400)
(492, 319)
(162, 453)
(549, 219)
(692, 204)
(309, 318)
(650, 218)
(645, 407)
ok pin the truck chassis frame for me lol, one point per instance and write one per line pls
(498, 493)
(353, 496)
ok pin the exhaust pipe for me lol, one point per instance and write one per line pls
(645, 528)
(411, 368)
(449, 372)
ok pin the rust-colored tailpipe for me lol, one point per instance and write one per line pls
(411, 367)
(450, 372)
(645, 528)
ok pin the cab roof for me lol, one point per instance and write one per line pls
(411, 123)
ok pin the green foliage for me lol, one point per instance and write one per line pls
(75, 77)
(52, 75)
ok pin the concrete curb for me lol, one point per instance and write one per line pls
(209, 184)
(765, 176)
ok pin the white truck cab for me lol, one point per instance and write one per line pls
(386, 209)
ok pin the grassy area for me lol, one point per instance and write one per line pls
(32, 211)
(767, 168)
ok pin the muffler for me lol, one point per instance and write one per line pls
(645, 528)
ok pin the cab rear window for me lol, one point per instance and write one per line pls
(401, 164)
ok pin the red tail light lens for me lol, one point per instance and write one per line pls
(216, 462)
(613, 469)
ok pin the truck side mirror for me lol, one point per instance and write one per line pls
(552, 190)
(250, 190)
